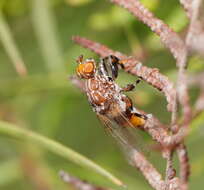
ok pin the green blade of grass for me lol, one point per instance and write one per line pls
(45, 29)
(56, 148)
(10, 171)
(10, 46)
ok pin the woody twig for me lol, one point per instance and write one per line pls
(187, 5)
(78, 183)
(195, 34)
(197, 80)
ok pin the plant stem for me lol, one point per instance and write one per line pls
(55, 147)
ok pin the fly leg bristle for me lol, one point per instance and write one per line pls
(128, 88)
(80, 59)
(138, 81)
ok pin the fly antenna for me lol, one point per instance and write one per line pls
(80, 59)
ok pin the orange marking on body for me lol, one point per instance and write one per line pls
(137, 121)
(93, 84)
(97, 98)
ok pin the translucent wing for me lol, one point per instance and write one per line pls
(127, 137)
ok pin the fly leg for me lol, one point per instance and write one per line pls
(141, 116)
(130, 87)
(138, 81)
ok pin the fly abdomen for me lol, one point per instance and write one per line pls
(137, 120)
(133, 120)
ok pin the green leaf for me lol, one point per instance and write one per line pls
(10, 46)
(46, 33)
(56, 148)
(10, 171)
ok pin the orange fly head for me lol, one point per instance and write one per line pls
(85, 69)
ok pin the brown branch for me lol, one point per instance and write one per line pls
(197, 80)
(169, 38)
(78, 183)
(183, 96)
(195, 34)
(187, 5)
(194, 40)
(151, 174)
(199, 105)
(157, 131)
(192, 8)
(97, 48)
(182, 154)
(194, 22)
(184, 163)
(197, 40)
(170, 171)
(160, 134)
(147, 169)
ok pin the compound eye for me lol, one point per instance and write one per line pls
(89, 67)
(86, 69)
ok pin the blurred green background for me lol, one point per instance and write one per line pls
(46, 102)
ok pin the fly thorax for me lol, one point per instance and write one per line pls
(100, 91)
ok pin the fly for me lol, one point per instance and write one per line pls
(112, 106)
